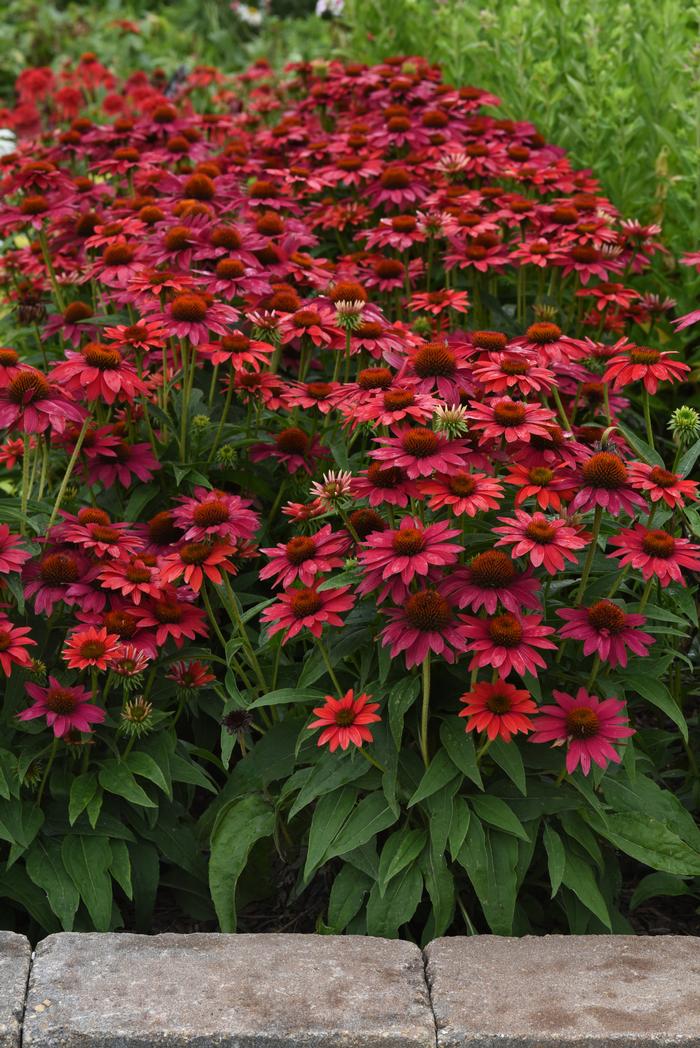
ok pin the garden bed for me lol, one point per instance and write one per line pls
(350, 551)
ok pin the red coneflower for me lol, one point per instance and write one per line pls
(304, 557)
(603, 480)
(91, 647)
(12, 556)
(420, 452)
(13, 642)
(645, 364)
(391, 559)
(308, 608)
(194, 562)
(662, 485)
(513, 420)
(425, 622)
(656, 553)
(499, 709)
(345, 720)
(508, 642)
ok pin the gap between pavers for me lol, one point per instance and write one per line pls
(307, 991)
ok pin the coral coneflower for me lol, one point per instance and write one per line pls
(345, 720)
(500, 709)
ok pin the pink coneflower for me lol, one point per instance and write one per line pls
(508, 642)
(133, 578)
(129, 661)
(122, 462)
(546, 342)
(420, 452)
(548, 541)
(603, 480)
(31, 403)
(425, 622)
(514, 420)
(499, 709)
(606, 630)
(292, 447)
(435, 302)
(345, 720)
(462, 492)
(61, 577)
(645, 364)
(13, 641)
(308, 608)
(304, 557)
(687, 321)
(194, 562)
(661, 484)
(172, 616)
(549, 486)
(146, 336)
(656, 553)
(441, 368)
(196, 317)
(392, 559)
(384, 485)
(588, 725)
(106, 539)
(12, 556)
(315, 323)
(501, 372)
(210, 514)
(492, 579)
(239, 351)
(65, 708)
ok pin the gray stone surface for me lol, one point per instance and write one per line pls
(15, 954)
(227, 991)
(570, 991)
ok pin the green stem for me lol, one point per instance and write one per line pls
(44, 780)
(647, 417)
(425, 711)
(24, 493)
(67, 475)
(371, 759)
(331, 673)
(597, 518)
(224, 416)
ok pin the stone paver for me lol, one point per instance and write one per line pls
(227, 991)
(566, 991)
(15, 954)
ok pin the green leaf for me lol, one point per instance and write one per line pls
(16, 885)
(288, 695)
(440, 771)
(239, 825)
(330, 814)
(459, 825)
(507, 756)
(370, 817)
(556, 857)
(120, 866)
(45, 867)
(648, 798)
(650, 841)
(187, 771)
(656, 884)
(327, 775)
(140, 763)
(386, 914)
(646, 453)
(495, 811)
(401, 698)
(656, 692)
(82, 790)
(460, 747)
(490, 859)
(115, 777)
(440, 886)
(689, 459)
(579, 877)
(87, 860)
(145, 874)
(349, 891)
(399, 851)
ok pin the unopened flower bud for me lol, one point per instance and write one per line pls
(685, 425)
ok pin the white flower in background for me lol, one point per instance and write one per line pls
(248, 14)
(334, 8)
(8, 142)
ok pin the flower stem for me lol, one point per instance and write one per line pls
(372, 760)
(44, 780)
(597, 518)
(326, 658)
(67, 475)
(24, 493)
(425, 711)
(647, 417)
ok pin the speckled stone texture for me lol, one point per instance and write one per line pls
(227, 991)
(15, 954)
(592, 991)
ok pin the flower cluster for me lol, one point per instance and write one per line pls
(344, 377)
